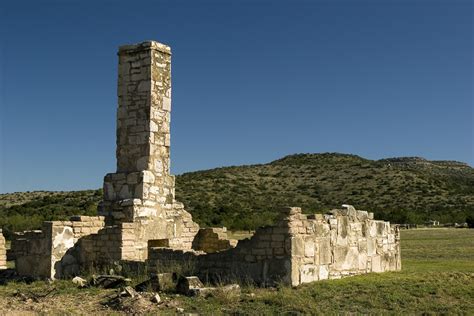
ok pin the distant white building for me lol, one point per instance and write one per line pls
(432, 223)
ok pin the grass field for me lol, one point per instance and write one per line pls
(437, 278)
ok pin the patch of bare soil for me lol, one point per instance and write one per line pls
(64, 304)
(103, 302)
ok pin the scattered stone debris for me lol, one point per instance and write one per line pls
(156, 298)
(187, 285)
(131, 302)
(231, 289)
(109, 281)
(29, 296)
(80, 282)
(158, 282)
(137, 305)
(129, 291)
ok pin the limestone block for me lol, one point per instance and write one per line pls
(371, 246)
(309, 248)
(362, 261)
(323, 272)
(109, 192)
(166, 104)
(124, 192)
(372, 229)
(297, 246)
(309, 273)
(322, 230)
(3, 252)
(377, 263)
(325, 252)
(187, 284)
(381, 228)
(340, 253)
(351, 211)
(147, 176)
(362, 244)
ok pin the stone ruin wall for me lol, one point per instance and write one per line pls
(299, 249)
(43, 252)
(140, 220)
(3, 252)
(212, 240)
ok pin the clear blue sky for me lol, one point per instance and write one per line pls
(252, 81)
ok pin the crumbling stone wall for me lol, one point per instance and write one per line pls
(3, 252)
(342, 243)
(260, 259)
(299, 249)
(213, 239)
(44, 253)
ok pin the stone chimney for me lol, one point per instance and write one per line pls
(142, 187)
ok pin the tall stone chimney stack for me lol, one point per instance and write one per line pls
(142, 185)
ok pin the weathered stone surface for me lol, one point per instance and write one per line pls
(156, 298)
(187, 285)
(80, 282)
(3, 252)
(129, 291)
(212, 240)
(109, 281)
(228, 290)
(157, 282)
(334, 247)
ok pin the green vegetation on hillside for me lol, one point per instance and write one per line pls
(28, 210)
(402, 190)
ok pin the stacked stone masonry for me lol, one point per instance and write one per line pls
(3, 252)
(299, 249)
(212, 240)
(138, 206)
(140, 221)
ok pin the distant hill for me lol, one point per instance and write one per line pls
(403, 190)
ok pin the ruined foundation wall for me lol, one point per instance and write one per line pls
(260, 259)
(213, 239)
(65, 248)
(44, 253)
(299, 249)
(3, 252)
(32, 252)
(343, 243)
